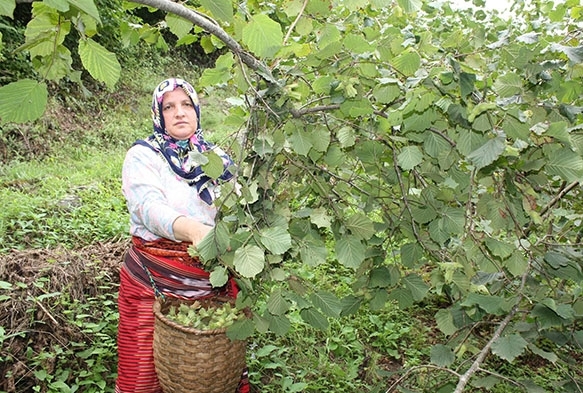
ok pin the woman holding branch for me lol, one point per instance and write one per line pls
(170, 201)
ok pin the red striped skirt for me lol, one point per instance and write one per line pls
(150, 269)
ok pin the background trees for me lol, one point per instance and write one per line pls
(436, 154)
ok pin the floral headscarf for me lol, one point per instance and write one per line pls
(177, 152)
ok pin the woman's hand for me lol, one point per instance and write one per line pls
(189, 230)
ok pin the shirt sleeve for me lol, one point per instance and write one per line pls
(151, 216)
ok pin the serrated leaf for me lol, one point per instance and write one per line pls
(220, 9)
(263, 36)
(407, 63)
(416, 285)
(445, 322)
(22, 101)
(499, 248)
(241, 329)
(566, 164)
(411, 254)
(301, 141)
(278, 324)
(490, 304)
(249, 261)
(315, 318)
(327, 302)
(361, 226)
(410, 157)
(179, 26)
(276, 239)
(509, 347)
(216, 242)
(442, 355)
(219, 276)
(7, 7)
(488, 152)
(550, 356)
(87, 6)
(402, 296)
(101, 63)
(346, 136)
(350, 251)
(410, 5)
(277, 304)
(380, 277)
(214, 167)
(467, 82)
(350, 305)
(508, 85)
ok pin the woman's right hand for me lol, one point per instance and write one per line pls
(189, 230)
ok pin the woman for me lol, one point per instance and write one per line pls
(170, 201)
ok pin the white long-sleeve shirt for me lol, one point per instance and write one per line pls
(156, 196)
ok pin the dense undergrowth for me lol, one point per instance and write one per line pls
(60, 190)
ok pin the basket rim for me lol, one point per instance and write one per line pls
(191, 330)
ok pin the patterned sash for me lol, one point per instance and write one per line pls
(166, 266)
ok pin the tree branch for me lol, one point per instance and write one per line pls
(214, 29)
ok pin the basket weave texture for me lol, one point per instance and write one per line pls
(189, 360)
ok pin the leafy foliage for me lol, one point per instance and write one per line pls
(364, 125)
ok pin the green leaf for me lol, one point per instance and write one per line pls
(442, 355)
(411, 254)
(249, 261)
(278, 324)
(216, 242)
(263, 36)
(221, 73)
(178, 25)
(220, 9)
(508, 85)
(241, 329)
(7, 7)
(403, 296)
(488, 152)
(313, 252)
(467, 82)
(361, 226)
(416, 285)
(509, 347)
(277, 304)
(87, 6)
(499, 248)
(346, 136)
(315, 318)
(566, 164)
(380, 277)
(407, 63)
(327, 302)
(350, 251)
(410, 5)
(219, 276)
(445, 323)
(550, 356)
(101, 64)
(491, 304)
(301, 141)
(22, 101)
(214, 167)
(276, 239)
(409, 157)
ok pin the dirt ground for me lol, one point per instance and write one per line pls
(27, 281)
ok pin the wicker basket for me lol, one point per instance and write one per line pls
(195, 361)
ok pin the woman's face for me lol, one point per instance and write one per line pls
(179, 115)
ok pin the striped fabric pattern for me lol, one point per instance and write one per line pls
(174, 275)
